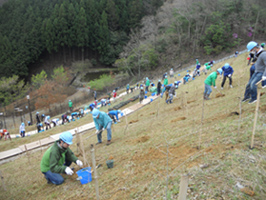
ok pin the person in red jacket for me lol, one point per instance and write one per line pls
(4, 132)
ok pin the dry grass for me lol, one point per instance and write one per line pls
(140, 156)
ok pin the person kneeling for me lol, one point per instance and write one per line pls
(58, 158)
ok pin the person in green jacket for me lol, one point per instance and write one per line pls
(58, 158)
(70, 105)
(165, 81)
(207, 66)
(102, 121)
(147, 84)
(210, 81)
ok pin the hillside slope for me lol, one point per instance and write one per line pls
(157, 149)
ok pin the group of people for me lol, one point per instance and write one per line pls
(58, 157)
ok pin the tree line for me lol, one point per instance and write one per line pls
(28, 28)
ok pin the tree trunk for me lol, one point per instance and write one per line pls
(82, 54)
(73, 54)
(255, 28)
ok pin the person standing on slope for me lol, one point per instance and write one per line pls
(165, 81)
(228, 72)
(70, 105)
(22, 129)
(259, 74)
(102, 121)
(159, 85)
(147, 84)
(210, 81)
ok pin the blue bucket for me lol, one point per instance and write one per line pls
(145, 97)
(84, 175)
(152, 94)
(151, 100)
(121, 114)
(178, 74)
(146, 92)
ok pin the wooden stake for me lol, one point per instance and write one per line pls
(83, 152)
(202, 118)
(255, 120)
(95, 172)
(158, 108)
(3, 182)
(40, 145)
(126, 123)
(27, 153)
(183, 188)
(78, 141)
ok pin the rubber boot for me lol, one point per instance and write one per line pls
(207, 97)
(204, 96)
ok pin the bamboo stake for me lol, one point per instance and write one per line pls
(255, 120)
(95, 172)
(27, 152)
(83, 151)
(202, 118)
(78, 141)
(126, 123)
(183, 188)
(40, 145)
(3, 182)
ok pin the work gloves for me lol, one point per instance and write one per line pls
(263, 78)
(229, 75)
(215, 87)
(69, 171)
(79, 163)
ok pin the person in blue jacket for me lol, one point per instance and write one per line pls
(102, 121)
(114, 113)
(228, 72)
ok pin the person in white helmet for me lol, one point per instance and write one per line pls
(58, 158)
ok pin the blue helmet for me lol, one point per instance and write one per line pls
(251, 45)
(48, 117)
(141, 88)
(159, 80)
(37, 113)
(165, 76)
(22, 124)
(119, 111)
(92, 105)
(95, 113)
(66, 137)
(113, 90)
(220, 71)
(226, 65)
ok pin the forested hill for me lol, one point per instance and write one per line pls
(73, 27)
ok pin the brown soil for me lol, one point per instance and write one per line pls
(233, 113)
(178, 119)
(177, 108)
(191, 101)
(219, 95)
(262, 93)
(263, 108)
(153, 113)
(133, 121)
(143, 139)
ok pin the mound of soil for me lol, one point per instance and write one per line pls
(262, 93)
(178, 119)
(143, 139)
(153, 113)
(177, 108)
(233, 114)
(220, 95)
(133, 121)
(191, 101)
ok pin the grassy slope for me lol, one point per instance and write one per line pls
(141, 163)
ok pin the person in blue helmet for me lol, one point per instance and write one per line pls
(47, 122)
(259, 74)
(228, 72)
(92, 106)
(210, 81)
(102, 121)
(114, 113)
(65, 119)
(159, 86)
(58, 158)
(127, 88)
(38, 119)
(141, 94)
(22, 129)
(171, 93)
